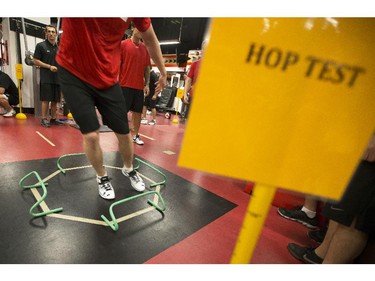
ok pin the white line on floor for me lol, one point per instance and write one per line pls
(47, 140)
(146, 137)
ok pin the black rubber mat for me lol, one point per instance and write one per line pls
(46, 239)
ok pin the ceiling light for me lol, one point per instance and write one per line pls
(170, 42)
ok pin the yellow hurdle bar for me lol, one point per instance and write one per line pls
(252, 225)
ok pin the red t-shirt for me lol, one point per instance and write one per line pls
(90, 48)
(134, 60)
(193, 74)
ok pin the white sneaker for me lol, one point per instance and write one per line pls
(106, 190)
(144, 121)
(138, 140)
(10, 113)
(152, 122)
(135, 180)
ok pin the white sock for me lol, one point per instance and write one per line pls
(99, 177)
(309, 213)
(128, 170)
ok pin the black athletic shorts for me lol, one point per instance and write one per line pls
(134, 99)
(149, 102)
(50, 92)
(12, 100)
(358, 200)
(83, 100)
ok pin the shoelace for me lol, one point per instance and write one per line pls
(104, 182)
(107, 186)
(135, 178)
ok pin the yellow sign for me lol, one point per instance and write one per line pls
(19, 74)
(286, 102)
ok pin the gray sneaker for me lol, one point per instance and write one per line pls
(135, 180)
(44, 123)
(298, 215)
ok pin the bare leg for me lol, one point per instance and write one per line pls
(346, 245)
(153, 112)
(4, 103)
(322, 250)
(126, 149)
(94, 152)
(144, 111)
(53, 109)
(310, 203)
(136, 122)
(45, 107)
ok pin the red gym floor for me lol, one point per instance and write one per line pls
(23, 141)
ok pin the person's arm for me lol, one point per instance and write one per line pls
(186, 89)
(153, 48)
(44, 65)
(146, 88)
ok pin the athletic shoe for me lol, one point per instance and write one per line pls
(10, 113)
(55, 122)
(152, 122)
(106, 190)
(138, 140)
(135, 180)
(298, 215)
(304, 254)
(44, 123)
(317, 235)
(144, 121)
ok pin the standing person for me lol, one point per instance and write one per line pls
(191, 80)
(135, 77)
(352, 219)
(150, 100)
(8, 94)
(89, 63)
(44, 57)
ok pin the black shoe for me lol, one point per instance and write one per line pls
(304, 254)
(55, 122)
(298, 215)
(44, 123)
(317, 235)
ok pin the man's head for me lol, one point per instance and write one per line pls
(51, 33)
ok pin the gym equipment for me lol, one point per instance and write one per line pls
(29, 59)
(43, 186)
(19, 75)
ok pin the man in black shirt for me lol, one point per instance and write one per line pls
(44, 57)
(8, 94)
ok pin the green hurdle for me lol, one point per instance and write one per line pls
(114, 225)
(43, 186)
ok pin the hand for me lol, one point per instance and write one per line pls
(146, 90)
(154, 97)
(161, 84)
(369, 154)
(53, 68)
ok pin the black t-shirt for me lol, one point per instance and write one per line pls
(153, 79)
(7, 83)
(46, 52)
